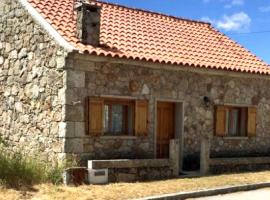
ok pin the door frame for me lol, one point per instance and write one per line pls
(179, 135)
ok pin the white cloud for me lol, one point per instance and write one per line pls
(234, 3)
(238, 22)
(238, 2)
(228, 3)
(207, 19)
(265, 9)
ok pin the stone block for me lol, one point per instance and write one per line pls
(205, 156)
(74, 113)
(66, 129)
(73, 145)
(84, 65)
(80, 129)
(174, 156)
(126, 177)
(76, 79)
(88, 148)
(75, 96)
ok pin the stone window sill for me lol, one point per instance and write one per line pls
(123, 137)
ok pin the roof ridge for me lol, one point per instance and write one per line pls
(150, 12)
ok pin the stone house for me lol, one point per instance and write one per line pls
(102, 81)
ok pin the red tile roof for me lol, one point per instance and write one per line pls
(144, 35)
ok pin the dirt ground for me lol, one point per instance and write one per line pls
(263, 194)
(121, 191)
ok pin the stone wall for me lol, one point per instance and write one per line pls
(86, 78)
(31, 81)
(225, 165)
(139, 174)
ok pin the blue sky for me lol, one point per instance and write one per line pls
(239, 19)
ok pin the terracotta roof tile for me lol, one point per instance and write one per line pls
(144, 35)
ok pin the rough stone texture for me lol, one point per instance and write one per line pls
(31, 78)
(190, 87)
(175, 156)
(221, 165)
(139, 174)
(135, 170)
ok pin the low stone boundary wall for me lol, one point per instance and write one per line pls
(130, 170)
(221, 165)
(139, 174)
(240, 160)
(134, 170)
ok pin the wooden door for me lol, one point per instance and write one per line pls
(165, 127)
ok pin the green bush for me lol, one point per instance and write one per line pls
(15, 170)
(18, 170)
(54, 175)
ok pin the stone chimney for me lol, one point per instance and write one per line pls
(88, 23)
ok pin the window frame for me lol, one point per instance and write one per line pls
(239, 121)
(125, 102)
(221, 125)
(95, 116)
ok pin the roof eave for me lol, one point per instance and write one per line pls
(46, 26)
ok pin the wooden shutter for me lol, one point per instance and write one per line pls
(96, 106)
(251, 126)
(141, 118)
(220, 121)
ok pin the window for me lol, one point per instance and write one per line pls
(118, 117)
(235, 121)
(115, 117)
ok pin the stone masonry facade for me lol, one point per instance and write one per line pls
(87, 78)
(43, 92)
(31, 84)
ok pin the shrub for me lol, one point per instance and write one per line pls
(54, 175)
(18, 170)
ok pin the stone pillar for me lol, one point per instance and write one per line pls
(175, 156)
(205, 156)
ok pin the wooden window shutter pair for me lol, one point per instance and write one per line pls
(221, 121)
(96, 112)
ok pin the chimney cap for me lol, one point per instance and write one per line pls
(82, 3)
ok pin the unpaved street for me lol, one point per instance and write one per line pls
(262, 194)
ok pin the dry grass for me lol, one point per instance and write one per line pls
(131, 190)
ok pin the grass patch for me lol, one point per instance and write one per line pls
(17, 170)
